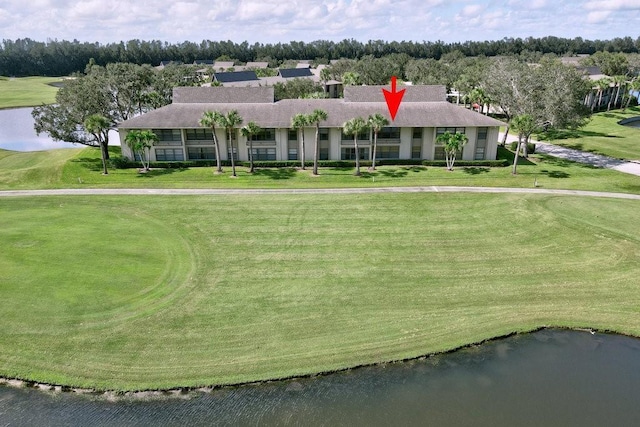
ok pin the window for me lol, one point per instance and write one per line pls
(201, 153)
(324, 150)
(363, 136)
(324, 134)
(481, 144)
(168, 136)
(169, 154)
(389, 133)
(235, 153)
(417, 133)
(349, 153)
(264, 154)
(199, 135)
(388, 152)
(292, 150)
(440, 131)
(292, 135)
(268, 134)
(416, 149)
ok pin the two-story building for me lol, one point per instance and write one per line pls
(423, 115)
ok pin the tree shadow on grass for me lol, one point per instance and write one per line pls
(159, 172)
(416, 168)
(555, 174)
(475, 170)
(503, 153)
(94, 165)
(276, 173)
(393, 173)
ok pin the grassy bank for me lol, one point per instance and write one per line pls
(81, 169)
(156, 292)
(603, 135)
(27, 91)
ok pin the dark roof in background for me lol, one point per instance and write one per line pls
(289, 73)
(279, 114)
(235, 76)
(222, 95)
(421, 93)
(203, 62)
(165, 63)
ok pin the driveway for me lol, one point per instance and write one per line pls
(597, 160)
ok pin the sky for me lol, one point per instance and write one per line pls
(273, 21)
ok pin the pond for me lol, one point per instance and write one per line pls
(550, 377)
(17, 133)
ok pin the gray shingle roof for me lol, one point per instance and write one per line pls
(253, 64)
(421, 93)
(235, 76)
(278, 114)
(221, 95)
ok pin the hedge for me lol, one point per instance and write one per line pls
(123, 163)
(531, 147)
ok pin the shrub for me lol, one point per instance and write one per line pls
(531, 147)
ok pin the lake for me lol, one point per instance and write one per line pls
(550, 378)
(17, 133)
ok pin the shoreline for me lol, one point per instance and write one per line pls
(186, 392)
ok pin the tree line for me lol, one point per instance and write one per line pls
(27, 57)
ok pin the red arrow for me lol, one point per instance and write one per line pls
(393, 98)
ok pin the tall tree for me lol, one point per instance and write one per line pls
(316, 117)
(98, 126)
(248, 131)
(75, 102)
(354, 127)
(299, 122)
(525, 125)
(141, 141)
(209, 120)
(452, 142)
(376, 122)
(229, 123)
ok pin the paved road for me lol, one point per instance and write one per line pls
(597, 160)
(200, 192)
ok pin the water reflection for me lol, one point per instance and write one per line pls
(17, 133)
(546, 378)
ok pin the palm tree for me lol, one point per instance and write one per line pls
(316, 117)
(248, 131)
(602, 85)
(376, 123)
(229, 122)
(141, 142)
(350, 78)
(634, 85)
(299, 122)
(209, 120)
(619, 81)
(525, 125)
(453, 142)
(354, 127)
(98, 126)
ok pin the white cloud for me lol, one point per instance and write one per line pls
(613, 5)
(598, 16)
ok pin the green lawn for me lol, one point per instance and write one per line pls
(80, 168)
(151, 292)
(603, 135)
(27, 91)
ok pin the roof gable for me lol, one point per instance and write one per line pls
(422, 93)
(222, 95)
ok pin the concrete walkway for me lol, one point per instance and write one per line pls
(597, 160)
(214, 192)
